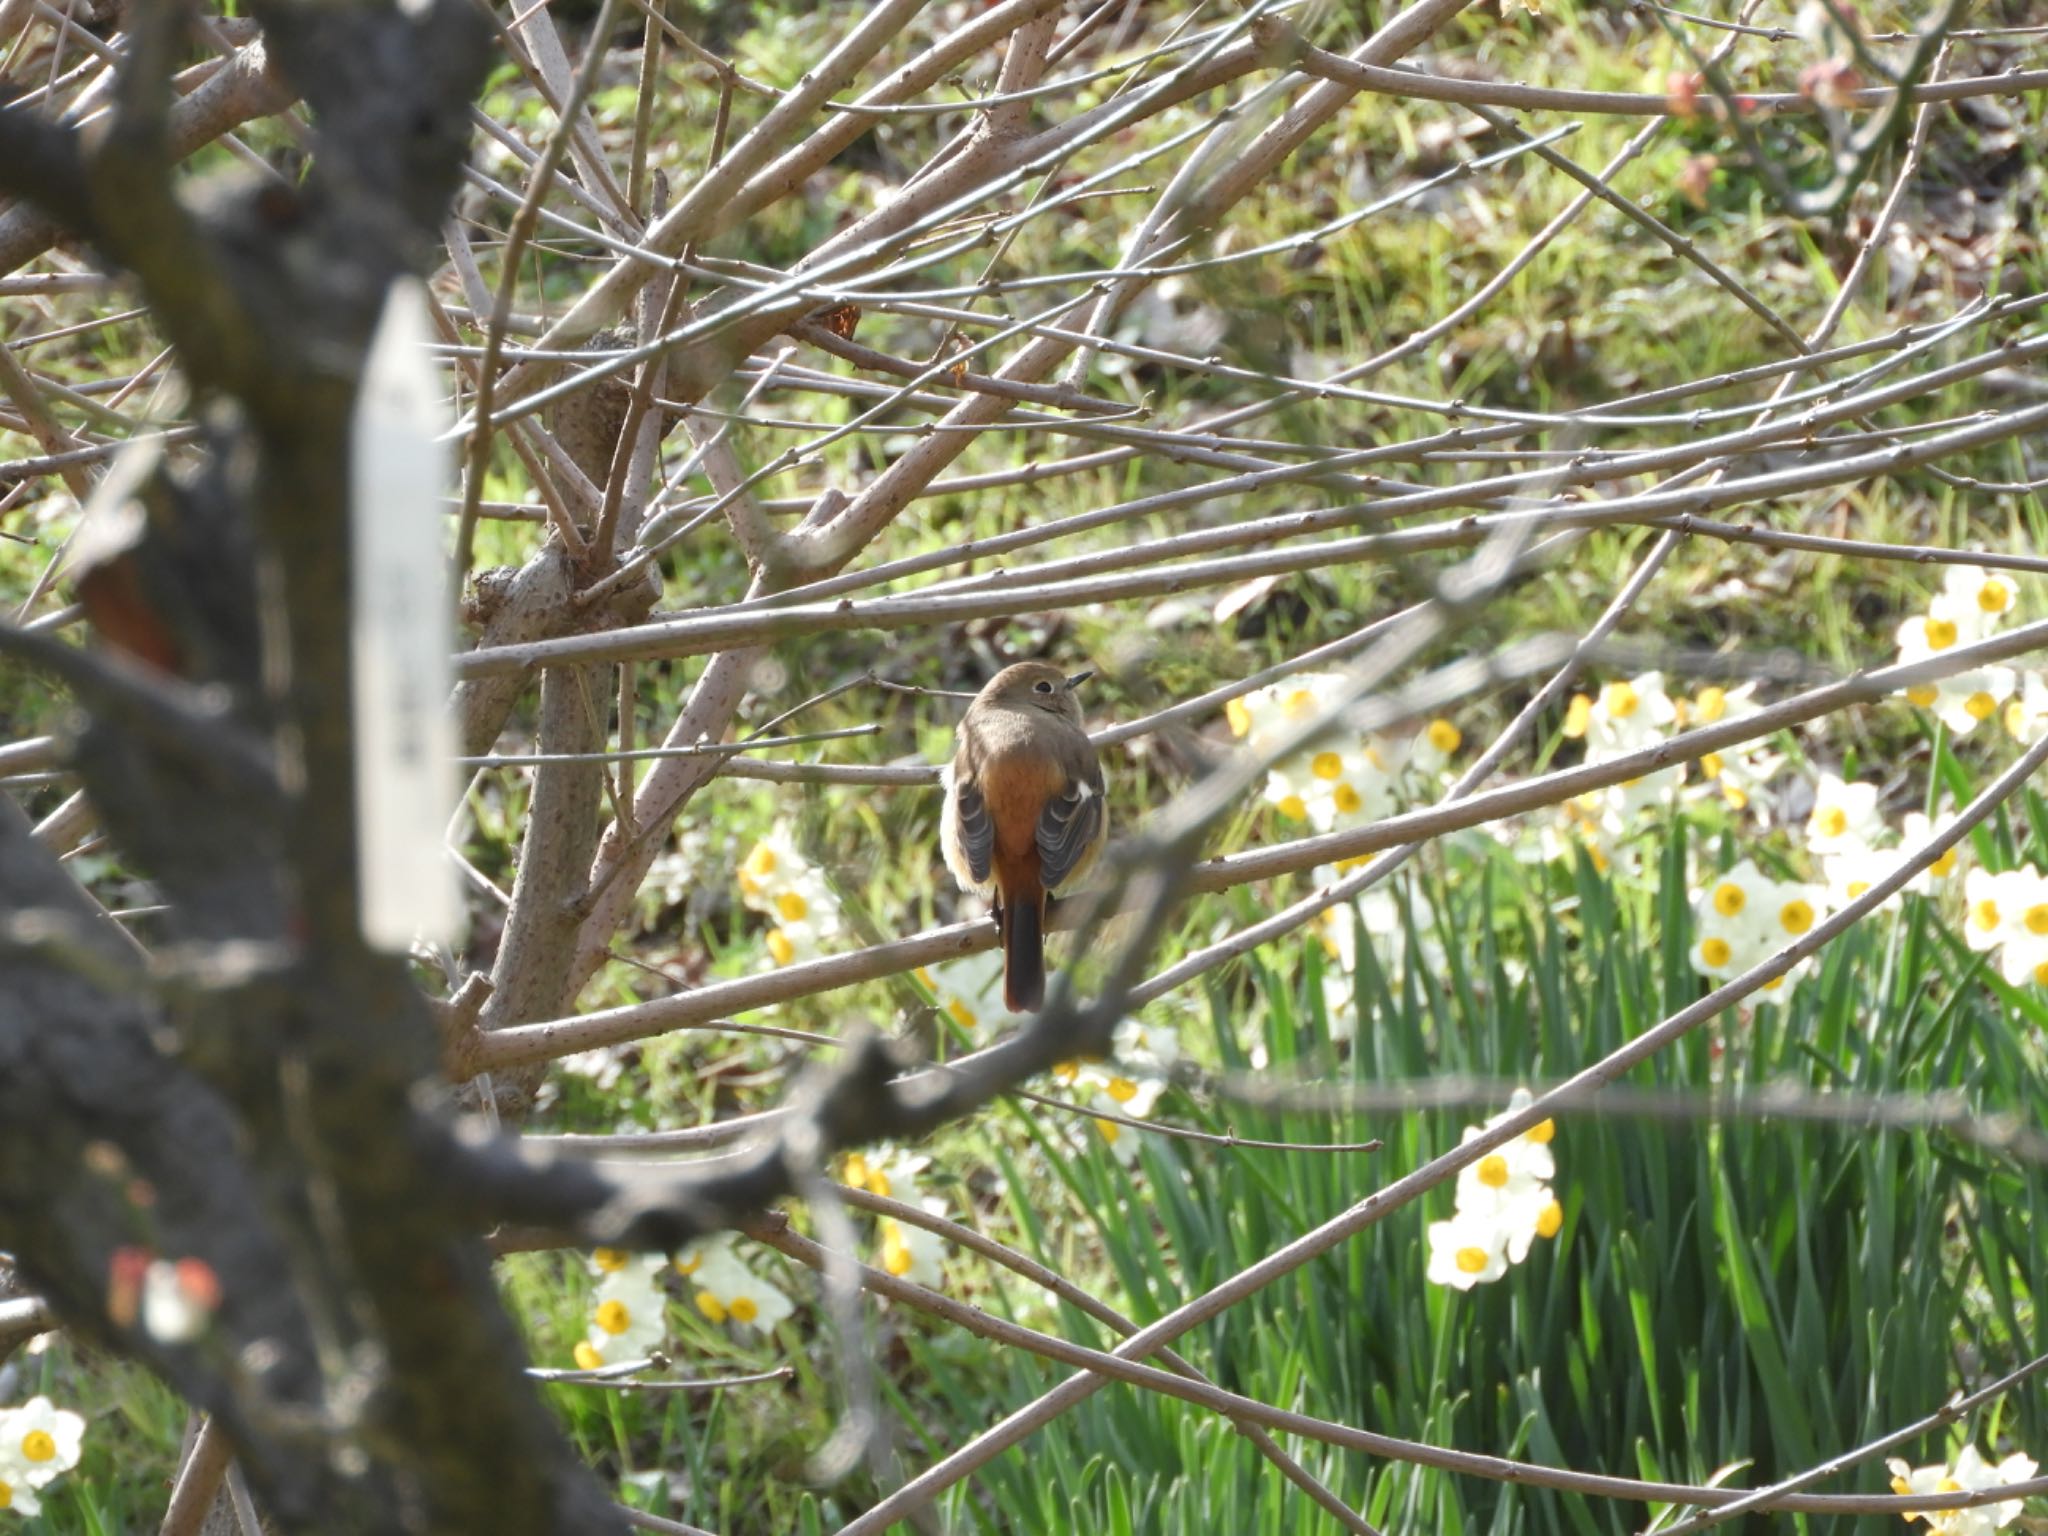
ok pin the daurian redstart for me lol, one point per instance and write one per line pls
(1024, 810)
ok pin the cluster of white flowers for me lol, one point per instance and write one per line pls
(38, 1443)
(1348, 779)
(629, 1308)
(1504, 1204)
(908, 1253)
(1141, 1063)
(727, 1291)
(1972, 603)
(777, 880)
(1631, 716)
(1970, 1474)
(1744, 916)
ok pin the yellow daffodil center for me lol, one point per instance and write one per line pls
(613, 1317)
(1543, 1132)
(1299, 703)
(1830, 821)
(1711, 705)
(37, 1445)
(610, 1260)
(1900, 1485)
(1293, 808)
(962, 1014)
(1941, 634)
(1985, 914)
(896, 1255)
(1493, 1171)
(1857, 888)
(780, 947)
(743, 1309)
(792, 907)
(1710, 765)
(1578, 715)
(1621, 700)
(712, 1308)
(1981, 706)
(1346, 799)
(1110, 1130)
(1922, 694)
(1549, 1219)
(1122, 1089)
(1795, 916)
(1715, 951)
(1445, 737)
(689, 1264)
(2041, 974)
(1327, 765)
(1943, 866)
(1729, 898)
(587, 1357)
(1239, 716)
(2016, 718)
(2037, 919)
(761, 862)
(1472, 1260)
(1994, 596)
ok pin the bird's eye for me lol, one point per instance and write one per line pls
(1042, 686)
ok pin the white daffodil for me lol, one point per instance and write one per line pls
(889, 1171)
(1151, 1050)
(1470, 1249)
(1844, 816)
(1916, 833)
(1629, 716)
(970, 990)
(1117, 1094)
(769, 865)
(728, 1291)
(1993, 905)
(2024, 955)
(16, 1496)
(1967, 700)
(1852, 872)
(1970, 1474)
(2026, 713)
(1973, 596)
(1431, 750)
(914, 1253)
(1583, 828)
(37, 1442)
(628, 1316)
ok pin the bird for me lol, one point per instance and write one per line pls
(1024, 812)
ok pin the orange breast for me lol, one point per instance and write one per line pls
(1015, 788)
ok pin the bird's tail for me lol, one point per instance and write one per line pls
(1024, 954)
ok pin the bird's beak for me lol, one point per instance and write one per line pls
(1079, 678)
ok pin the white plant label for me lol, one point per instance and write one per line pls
(401, 635)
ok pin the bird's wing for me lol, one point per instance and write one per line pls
(1069, 831)
(976, 839)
